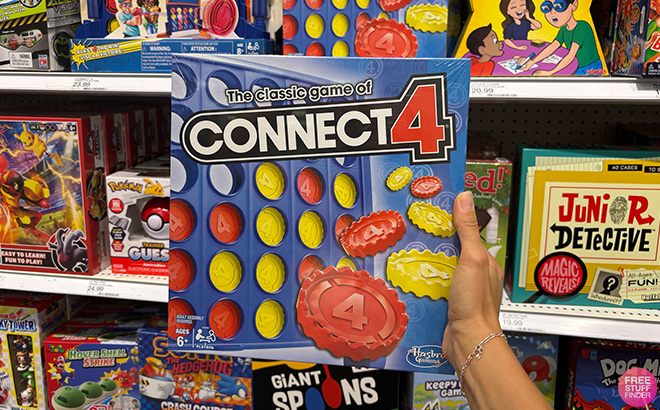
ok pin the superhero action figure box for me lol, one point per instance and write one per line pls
(536, 353)
(311, 207)
(585, 228)
(490, 184)
(612, 375)
(26, 319)
(139, 221)
(53, 199)
(92, 368)
(152, 55)
(533, 37)
(594, 236)
(178, 380)
(378, 28)
(305, 386)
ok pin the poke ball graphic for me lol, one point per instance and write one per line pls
(156, 218)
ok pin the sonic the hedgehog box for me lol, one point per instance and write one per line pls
(92, 368)
(533, 37)
(311, 207)
(53, 216)
(26, 319)
(190, 381)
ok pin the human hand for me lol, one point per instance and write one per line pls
(541, 73)
(476, 288)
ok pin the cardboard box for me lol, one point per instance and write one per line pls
(150, 55)
(27, 319)
(636, 46)
(295, 385)
(53, 171)
(91, 367)
(498, 36)
(180, 380)
(350, 194)
(595, 371)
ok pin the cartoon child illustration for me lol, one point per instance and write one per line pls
(576, 36)
(151, 12)
(519, 21)
(483, 42)
(129, 16)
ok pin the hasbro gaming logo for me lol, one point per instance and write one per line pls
(426, 356)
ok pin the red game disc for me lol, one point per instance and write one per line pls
(289, 49)
(315, 49)
(226, 223)
(289, 26)
(177, 322)
(392, 5)
(225, 319)
(385, 38)
(182, 269)
(310, 185)
(308, 265)
(426, 187)
(182, 220)
(351, 313)
(374, 233)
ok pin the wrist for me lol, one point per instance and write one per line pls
(461, 339)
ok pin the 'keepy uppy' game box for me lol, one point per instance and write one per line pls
(311, 207)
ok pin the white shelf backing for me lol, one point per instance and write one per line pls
(641, 325)
(87, 83)
(561, 89)
(106, 284)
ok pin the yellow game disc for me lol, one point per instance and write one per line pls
(314, 26)
(383, 16)
(340, 25)
(363, 4)
(340, 4)
(310, 229)
(340, 49)
(345, 191)
(346, 262)
(225, 271)
(269, 319)
(270, 180)
(422, 273)
(270, 273)
(431, 219)
(399, 178)
(270, 226)
(431, 18)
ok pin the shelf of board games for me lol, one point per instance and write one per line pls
(593, 89)
(105, 284)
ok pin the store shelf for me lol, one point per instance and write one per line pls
(145, 85)
(106, 284)
(565, 89)
(642, 325)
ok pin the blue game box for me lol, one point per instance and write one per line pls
(311, 207)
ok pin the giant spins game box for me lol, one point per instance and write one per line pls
(311, 207)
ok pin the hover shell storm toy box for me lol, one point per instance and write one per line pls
(25, 321)
(190, 381)
(311, 207)
(52, 195)
(92, 368)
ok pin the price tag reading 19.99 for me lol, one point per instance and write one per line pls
(513, 321)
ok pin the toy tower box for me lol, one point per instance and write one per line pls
(596, 368)
(53, 199)
(138, 202)
(311, 207)
(25, 321)
(178, 380)
(532, 37)
(92, 368)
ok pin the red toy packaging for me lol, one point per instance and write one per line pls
(92, 368)
(25, 321)
(52, 197)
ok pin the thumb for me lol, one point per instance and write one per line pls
(465, 221)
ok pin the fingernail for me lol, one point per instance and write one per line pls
(467, 202)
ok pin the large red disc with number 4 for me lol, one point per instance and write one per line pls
(351, 313)
(385, 38)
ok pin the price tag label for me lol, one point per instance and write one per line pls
(100, 288)
(483, 89)
(87, 84)
(513, 321)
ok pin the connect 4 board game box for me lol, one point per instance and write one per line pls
(180, 380)
(52, 193)
(311, 207)
(25, 321)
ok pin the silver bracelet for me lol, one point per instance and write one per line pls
(476, 354)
